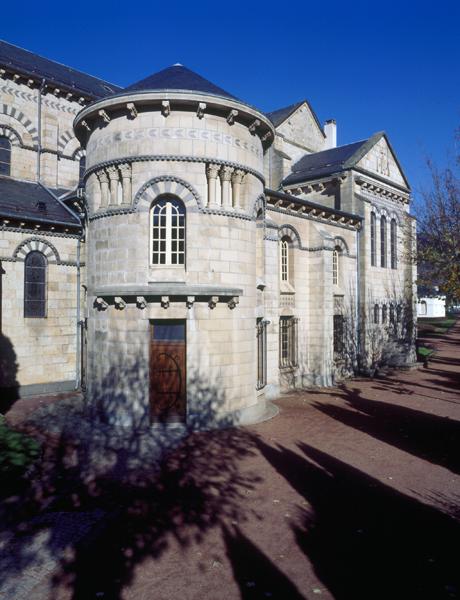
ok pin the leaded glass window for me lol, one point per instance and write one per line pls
(393, 231)
(288, 342)
(383, 241)
(168, 232)
(373, 244)
(5, 156)
(35, 285)
(284, 248)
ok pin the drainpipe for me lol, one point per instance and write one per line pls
(39, 129)
(78, 324)
(358, 295)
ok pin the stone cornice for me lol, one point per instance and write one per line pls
(363, 177)
(385, 191)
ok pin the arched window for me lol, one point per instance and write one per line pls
(373, 240)
(376, 314)
(5, 156)
(336, 265)
(81, 169)
(423, 307)
(384, 313)
(383, 241)
(393, 232)
(392, 314)
(35, 285)
(284, 259)
(167, 226)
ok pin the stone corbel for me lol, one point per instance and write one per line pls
(81, 100)
(231, 116)
(132, 109)
(104, 115)
(141, 302)
(308, 189)
(68, 96)
(119, 303)
(233, 302)
(321, 187)
(30, 82)
(165, 301)
(165, 108)
(16, 77)
(101, 304)
(56, 91)
(253, 126)
(190, 301)
(213, 302)
(85, 125)
(200, 110)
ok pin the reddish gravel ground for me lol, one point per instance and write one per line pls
(351, 492)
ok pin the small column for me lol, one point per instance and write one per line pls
(114, 179)
(104, 183)
(211, 174)
(225, 176)
(237, 179)
(125, 171)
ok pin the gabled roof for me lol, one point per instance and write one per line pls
(278, 117)
(179, 77)
(37, 67)
(30, 201)
(335, 160)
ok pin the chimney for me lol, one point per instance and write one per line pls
(330, 129)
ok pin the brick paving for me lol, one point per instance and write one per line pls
(351, 492)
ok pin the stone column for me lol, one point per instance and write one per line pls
(225, 176)
(237, 179)
(211, 174)
(114, 179)
(104, 183)
(125, 171)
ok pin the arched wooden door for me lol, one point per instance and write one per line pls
(167, 371)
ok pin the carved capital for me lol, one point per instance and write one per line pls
(231, 116)
(225, 173)
(104, 115)
(200, 110)
(165, 108)
(125, 170)
(102, 176)
(212, 171)
(141, 302)
(112, 172)
(132, 109)
(237, 176)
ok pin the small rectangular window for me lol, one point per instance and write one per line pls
(338, 335)
(288, 342)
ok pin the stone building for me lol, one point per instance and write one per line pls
(185, 256)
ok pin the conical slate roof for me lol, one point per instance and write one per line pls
(179, 77)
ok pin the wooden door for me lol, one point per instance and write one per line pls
(167, 371)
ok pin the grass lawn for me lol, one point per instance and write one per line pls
(435, 325)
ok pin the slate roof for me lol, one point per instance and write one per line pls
(279, 116)
(319, 164)
(30, 201)
(37, 67)
(179, 77)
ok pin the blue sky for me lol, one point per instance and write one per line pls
(392, 66)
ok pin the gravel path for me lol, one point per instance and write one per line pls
(351, 492)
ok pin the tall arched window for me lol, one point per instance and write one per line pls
(383, 241)
(167, 226)
(373, 240)
(284, 259)
(5, 156)
(335, 266)
(81, 169)
(35, 285)
(384, 313)
(393, 232)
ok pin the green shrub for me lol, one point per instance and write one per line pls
(17, 452)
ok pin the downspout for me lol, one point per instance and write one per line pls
(39, 129)
(358, 296)
(78, 324)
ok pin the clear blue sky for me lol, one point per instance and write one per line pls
(392, 66)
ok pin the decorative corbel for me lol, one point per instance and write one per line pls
(68, 96)
(101, 304)
(85, 125)
(119, 303)
(2, 72)
(30, 82)
(233, 302)
(81, 100)
(301, 209)
(16, 77)
(141, 302)
(299, 190)
(165, 301)
(56, 91)
(213, 301)
(321, 187)
(132, 109)
(253, 126)
(231, 116)
(165, 108)
(190, 301)
(104, 115)
(200, 110)
(308, 189)
(290, 206)
(278, 203)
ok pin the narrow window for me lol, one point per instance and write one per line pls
(288, 342)
(261, 328)
(376, 314)
(383, 241)
(168, 232)
(393, 235)
(335, 267)
(338, 335)
(81, 169)
(423, 308)
(392, 314)
(384, 313)
(35, 285)
(373, 240)
(284, 249)
(398, 313)
(5, 156)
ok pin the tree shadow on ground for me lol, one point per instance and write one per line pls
(102, 501)
(430, 437)
(365, 539)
